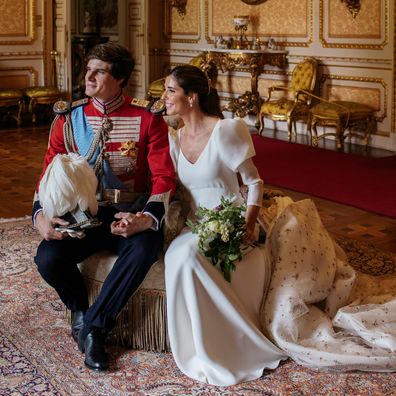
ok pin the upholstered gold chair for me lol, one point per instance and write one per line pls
(41, 96)
(156, 88)
(11, 103)
(294, 107)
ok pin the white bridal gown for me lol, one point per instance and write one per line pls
(298, 289)
(213, 325)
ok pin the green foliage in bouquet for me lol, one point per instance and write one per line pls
(221, 231)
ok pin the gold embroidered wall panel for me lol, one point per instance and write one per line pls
(24, 43)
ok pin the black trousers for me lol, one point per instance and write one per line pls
(57, 263)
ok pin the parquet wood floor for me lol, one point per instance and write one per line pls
(21, 159)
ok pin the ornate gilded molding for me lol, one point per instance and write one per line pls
(353, 6)
(371, 80)
(326, 44)
(180, 5)
(310, 14)
(30, 70)
(19, 54)
(30, 26)
(168, 23)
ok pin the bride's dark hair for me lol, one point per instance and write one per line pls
(193, 79)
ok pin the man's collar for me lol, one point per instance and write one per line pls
(113, 104)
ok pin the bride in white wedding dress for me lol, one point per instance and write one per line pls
(285, 298)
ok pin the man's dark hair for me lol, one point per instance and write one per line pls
(117, 56)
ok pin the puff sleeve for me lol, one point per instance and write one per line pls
(234, 143)
(236, 149)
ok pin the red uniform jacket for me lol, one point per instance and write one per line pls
(147, 165)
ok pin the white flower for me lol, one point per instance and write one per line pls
(220, 232)
(214, 226)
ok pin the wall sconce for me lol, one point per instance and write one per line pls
(180, 6)
(353, 6)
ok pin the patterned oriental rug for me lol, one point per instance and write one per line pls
(39, 357)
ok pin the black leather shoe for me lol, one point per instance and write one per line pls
(77, 324)
(96, 357)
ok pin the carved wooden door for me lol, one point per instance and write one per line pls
(135, 38)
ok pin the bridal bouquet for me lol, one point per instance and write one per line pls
(220, 231)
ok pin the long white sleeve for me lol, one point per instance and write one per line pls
(251, 178)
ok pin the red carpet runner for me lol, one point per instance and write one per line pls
(355, 180)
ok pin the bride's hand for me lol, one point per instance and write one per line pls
(250, 235)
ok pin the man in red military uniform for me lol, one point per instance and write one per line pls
(127, 147)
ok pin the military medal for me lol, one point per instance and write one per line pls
(107, 125)
(129, 149)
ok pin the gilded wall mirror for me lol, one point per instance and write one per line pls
(254, 2)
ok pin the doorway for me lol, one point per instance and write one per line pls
(96, 21)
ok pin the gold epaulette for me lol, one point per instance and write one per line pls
(156, 107)
(79, 102)
(145, 104)
(61, 107)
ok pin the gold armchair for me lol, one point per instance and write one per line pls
(295, 107)
(43, 95)
(156, 88)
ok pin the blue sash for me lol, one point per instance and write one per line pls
(83, 135)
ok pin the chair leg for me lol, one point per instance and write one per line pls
(309, 129)
(369, 130)
(20, 108)
(261, 121)
(289, 130)
(32, 105)
(315, 133)
(295, 130)
(339, 136)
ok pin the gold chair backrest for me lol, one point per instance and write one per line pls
(304, 78)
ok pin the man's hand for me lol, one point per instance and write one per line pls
(46, 227)
(130, 224)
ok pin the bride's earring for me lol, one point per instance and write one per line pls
(191, 103)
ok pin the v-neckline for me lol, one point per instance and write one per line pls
(203, 150)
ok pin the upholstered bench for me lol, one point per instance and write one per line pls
(343, 115)
(41, 96)
(11, 100)
(142, 322)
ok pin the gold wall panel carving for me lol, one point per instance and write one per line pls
(17, 77)
(237, 85)
(234, 85)
(366, 25)
(178, 27)
(271, 19)
(368, 30)
(368, 96)
(17, 81)
(357, 91)
(17, 22)
(353, 6)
